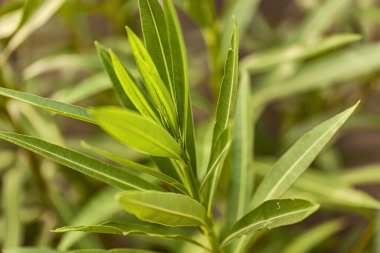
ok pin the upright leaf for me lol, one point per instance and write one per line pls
(227, 95)
(105, 58)
(180, 80)
(156, 39)
(161, 97)
(298, 158)
(79, 162)
(67, 110)
(241, 154)
(170, 209)
(133, 91)
(271, 214)
(138, 132)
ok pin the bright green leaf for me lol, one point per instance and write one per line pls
(170, 209)
(138, 132)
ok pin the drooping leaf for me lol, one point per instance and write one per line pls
(271, 214)
(298, 158)
(313, 237)
(67, 110)
(132, 90)
(161, 98)
(129, 229)
(138, 132)
(105, 58)
(138, 167)
(105, 206)
(170, 209)
(79, 162)
(156, 40)
(369, 174)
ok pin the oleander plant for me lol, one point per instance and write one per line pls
(146, 173)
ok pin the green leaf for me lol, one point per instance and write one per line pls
(227, 95)
(241, 178)
(156, 39)
(170, 209)
(156, 88)
(313, 237)
(105, 206)
(128, 229)
(67, 110)
(9, 23)
(180, 80)
(12, 197)
(105, 58)
(79, 162)
(271, 214)
(298, 158)
(133, 91)
(136, 166)
(137, 132)
(202, 11)
(37, 19)
(369, 174)
(30, 250)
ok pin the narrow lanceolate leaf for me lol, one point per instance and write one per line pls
(137, 132)
(156, 88)
(130, 229)
(180, 80)
(271, 214)
(105, 58)
(227, 95)
(156, 39)
(67, 110)
(133, 91)
(136, 166)
(298, 158)
(170, 209)
(178, 59)
(105, 206)
(241, 154)
(79, 162)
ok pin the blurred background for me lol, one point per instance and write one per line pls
(306, 60)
